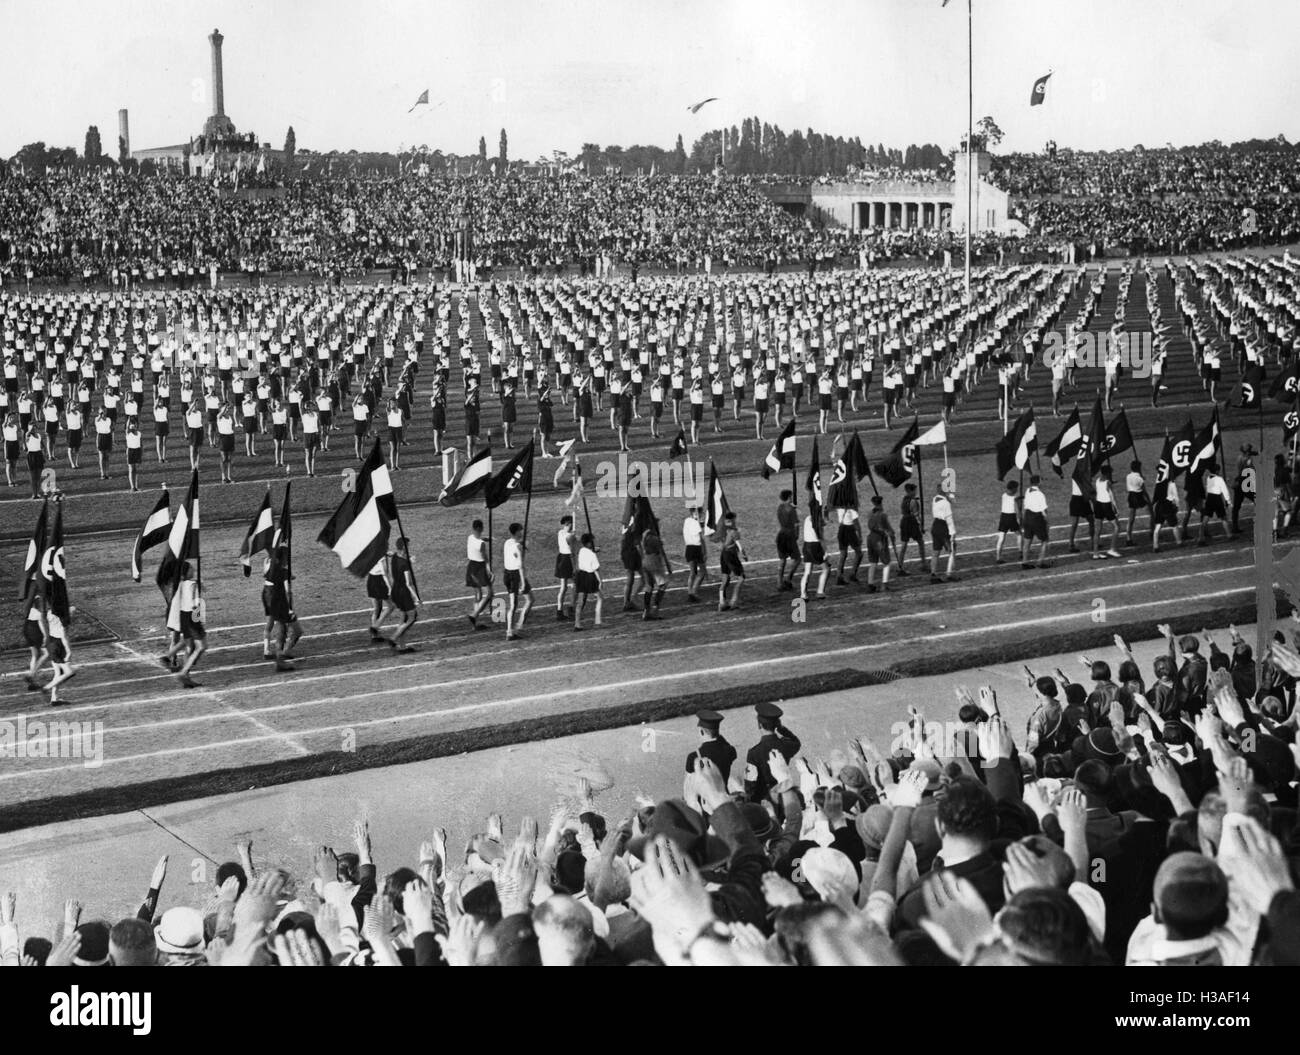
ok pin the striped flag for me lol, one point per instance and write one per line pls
(1014, 449)
(715, 503)
(155, 531)
(781, 456)
(260, 532)
(182, 541)
(1204, 450)
(35, 547)
(358, 531)
(472, 478)
(1066, 444)
(284, 529)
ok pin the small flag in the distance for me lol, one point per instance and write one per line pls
(1038, 94)
(696, 107)
(423, 100)
(678, 447)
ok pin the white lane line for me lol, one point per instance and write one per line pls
(607, 687)
(479, 657)
(1087, 569)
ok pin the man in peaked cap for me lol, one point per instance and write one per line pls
(775, 737)
(713, 745)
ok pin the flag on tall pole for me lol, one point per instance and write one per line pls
(259, 536)
(1095, 440)
(1204, 450)
(515, 476)
(182, 540)
(1118, 437)
(936, 435)
(1252, 387)
(1164, 472)
(423, 100)
(155, 531)
(35, 547)
(897, 466)
(715, 503)
(781, 456)
(847, 470)
(359, 529)
(1067, 443)
(678, 447)
(54, 575)
(813, 485)
(1014, 449)
(470, 479)
(284, 529)
(1038, 94)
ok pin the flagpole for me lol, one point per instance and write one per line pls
(970, 129)
(402, 533)
(528, 505)
(920, 486)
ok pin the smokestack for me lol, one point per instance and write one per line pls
(123, 134)
(218, 87)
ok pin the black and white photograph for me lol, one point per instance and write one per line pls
(713, 483)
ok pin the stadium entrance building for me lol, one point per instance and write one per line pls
(901, 205)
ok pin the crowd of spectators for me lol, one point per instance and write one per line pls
(1144, 818)
(87, 224)
(1195, 199)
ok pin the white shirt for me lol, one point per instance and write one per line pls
(1035, 501)
(692, 532)
(562, 541)
(475, 548)
(587, 560)
(513, 555)
(941, 509)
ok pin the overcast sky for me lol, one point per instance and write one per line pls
(558, 73)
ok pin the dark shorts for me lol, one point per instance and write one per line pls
(311, 441)
(1165, 514)
(104, 441)
(877, 548)
(909, 530)
(850, 536)
(1137, 500)
(514, 582)
(1080, 507)
(631, 559)
(1008, 522)
(940, 537)
(694, 554)
(587, 582)
(813, 553)
(376, 588)
(1035, 526)
(476, 574)
(564, 566)
(730, 564)
(1215, 507)
(787, 545)
(1103, 510)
